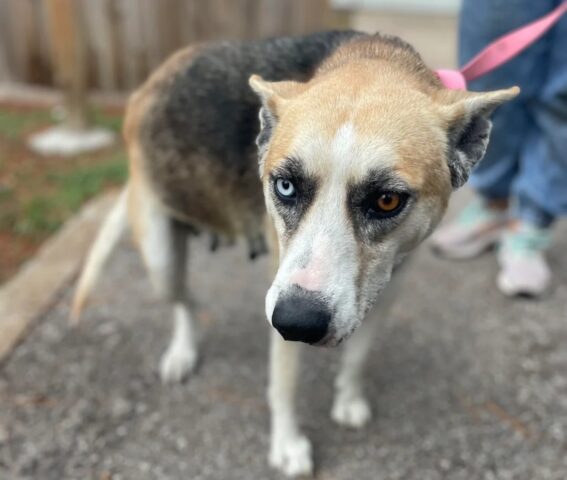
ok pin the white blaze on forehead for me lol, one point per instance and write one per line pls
(358, 154)
(347, 155)
(343, 145)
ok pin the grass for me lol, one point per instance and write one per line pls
(38, 194)
(15, 123)
(46, 212)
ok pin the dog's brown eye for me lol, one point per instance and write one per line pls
(385, 204)
(388, 202)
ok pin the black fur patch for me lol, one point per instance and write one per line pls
(306, 189)
(366, 228)
(467, 144)
(198, 137)
(211, 108)
(267, 125)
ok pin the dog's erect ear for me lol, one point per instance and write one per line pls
(274, 96)
(468, 117)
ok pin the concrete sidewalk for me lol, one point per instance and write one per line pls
(465, 384)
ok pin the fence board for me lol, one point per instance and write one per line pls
(126, 39)
(98, 37)
(5, 72)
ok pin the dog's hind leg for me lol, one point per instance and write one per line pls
(181, 355)
(290, 450)
(164, 244)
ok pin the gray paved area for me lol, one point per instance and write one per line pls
(465, 384)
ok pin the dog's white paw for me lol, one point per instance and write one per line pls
(292, 455)
(176, 364)
(351, 411)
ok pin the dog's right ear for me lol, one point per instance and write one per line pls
(274, 96)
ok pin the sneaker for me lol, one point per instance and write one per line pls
(523, 267)
(476, 229)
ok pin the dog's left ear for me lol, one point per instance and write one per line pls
(274, 96)
(468, 127)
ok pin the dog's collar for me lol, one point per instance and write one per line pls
(501, 50)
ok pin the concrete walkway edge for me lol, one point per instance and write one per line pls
(32, 290)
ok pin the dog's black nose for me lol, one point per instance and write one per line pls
(301, 318)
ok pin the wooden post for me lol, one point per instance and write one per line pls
(69, 58)
(5, 75)
(49, 40)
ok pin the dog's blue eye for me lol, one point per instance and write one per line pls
(285, 189)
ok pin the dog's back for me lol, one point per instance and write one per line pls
(191, 127)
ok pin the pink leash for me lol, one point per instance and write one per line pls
(500, 51)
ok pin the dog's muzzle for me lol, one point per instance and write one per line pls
(301, 317)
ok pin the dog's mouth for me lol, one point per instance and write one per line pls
(329, 341)
(335, 338)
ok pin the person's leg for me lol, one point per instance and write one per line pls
(540, 192)
(482, 21)
(541, 187)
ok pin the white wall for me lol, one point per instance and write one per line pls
(422, 6)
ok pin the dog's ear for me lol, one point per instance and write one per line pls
(274, 96)
(468, 127)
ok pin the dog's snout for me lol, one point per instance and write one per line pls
(301, 318)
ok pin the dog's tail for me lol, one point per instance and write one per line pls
(108, 236)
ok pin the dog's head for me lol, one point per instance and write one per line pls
(357, 170)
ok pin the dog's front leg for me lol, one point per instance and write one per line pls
(290, 450)
(350, 407)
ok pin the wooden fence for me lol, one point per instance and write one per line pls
(125, 39)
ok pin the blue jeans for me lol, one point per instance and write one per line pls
(526, 159)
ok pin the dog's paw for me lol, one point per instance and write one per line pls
(351, 411)
(176, 364)
(292, 456)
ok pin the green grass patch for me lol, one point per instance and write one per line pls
(15, 123)
(7, 215)
(111, 122)
(46, 212)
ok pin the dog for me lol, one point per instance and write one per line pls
(338, 150)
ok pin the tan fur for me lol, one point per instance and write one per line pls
(391, 116)
(380, 99)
